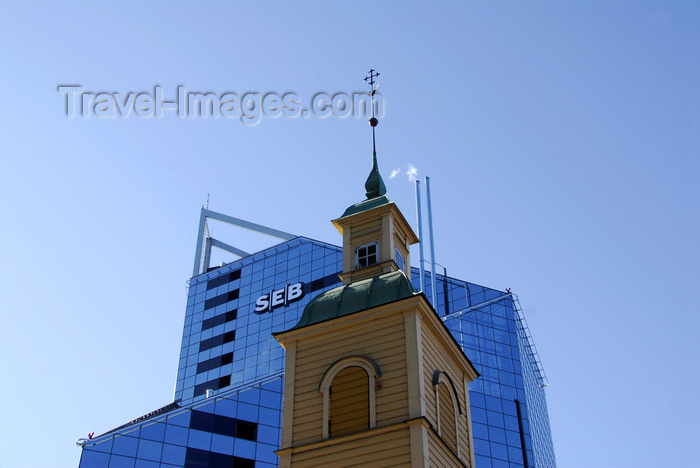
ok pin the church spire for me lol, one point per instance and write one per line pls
(374, 185)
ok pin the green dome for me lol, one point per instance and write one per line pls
(354, 297)
(375, 185)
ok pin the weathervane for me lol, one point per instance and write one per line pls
(373, 122)
(374, 185)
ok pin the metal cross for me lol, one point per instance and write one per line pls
(372, 75)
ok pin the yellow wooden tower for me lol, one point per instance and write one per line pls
(373, 378)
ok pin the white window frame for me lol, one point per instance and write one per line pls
(373, 373)
(441, 378)
(357, 254)
(398, 254)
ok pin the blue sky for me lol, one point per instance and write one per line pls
(562, 141)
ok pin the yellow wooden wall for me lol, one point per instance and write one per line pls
(385, 338)
(436, 355)
(376, 451)
(381, 335)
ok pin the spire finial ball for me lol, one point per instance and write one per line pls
(373, 122)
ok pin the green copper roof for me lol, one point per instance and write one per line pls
(376, 191)
(375, 185)
(366, 205)
(354, 297)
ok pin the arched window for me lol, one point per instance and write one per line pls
(349, 403)
(448, 410)
(447, 425)
(348, 388)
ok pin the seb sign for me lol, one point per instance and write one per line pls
(279, 297)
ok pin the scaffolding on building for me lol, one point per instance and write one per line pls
(524, 332)
(521, 327)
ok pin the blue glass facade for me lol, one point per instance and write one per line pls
(239, 427)
(228, 396)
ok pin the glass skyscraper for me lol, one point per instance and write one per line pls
(228, 398)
